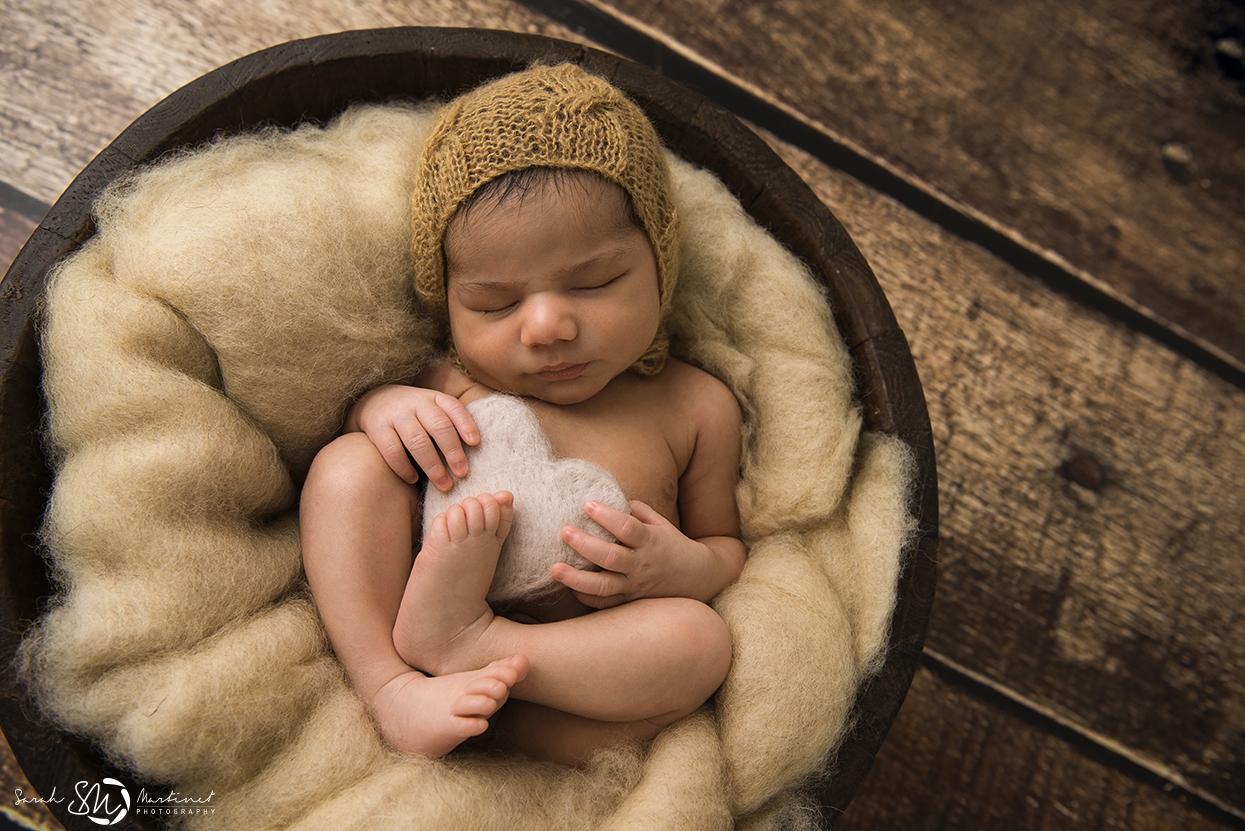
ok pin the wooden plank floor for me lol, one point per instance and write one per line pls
(982, 764)
(1093, 482)
(1063, 586)
(1107, 132)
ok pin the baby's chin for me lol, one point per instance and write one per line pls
(564, 392)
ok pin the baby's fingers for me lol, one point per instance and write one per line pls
(441, 433)
(460, 416)
(597, 551)
(394, 452)
(436, 440)
(594, 602)
(597, 589)
(420, 447)
(450, 424)
(628, 529)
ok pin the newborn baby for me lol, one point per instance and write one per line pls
(546, 243)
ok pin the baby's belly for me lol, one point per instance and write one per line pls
(561, 605)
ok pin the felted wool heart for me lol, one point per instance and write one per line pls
(514, 454)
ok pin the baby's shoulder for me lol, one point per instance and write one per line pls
(705, 425)
(698, 395)
(444, 376)
(693, 380)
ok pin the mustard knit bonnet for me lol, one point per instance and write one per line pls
(545, 116)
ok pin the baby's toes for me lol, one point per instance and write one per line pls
(486, 519)
(466, 519)
(481, 514)
(457, 522)
(509, 671)
(494, 688)
(439, 531)
(505, 514)
(479, 705)
(487, 515)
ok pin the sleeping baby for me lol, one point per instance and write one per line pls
(546, 242)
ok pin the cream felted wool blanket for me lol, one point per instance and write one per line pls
(203, 345)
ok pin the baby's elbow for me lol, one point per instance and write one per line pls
(732, 556)
(737, 558)
(707, 641)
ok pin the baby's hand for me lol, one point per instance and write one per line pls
(652, 558)
(431, 425)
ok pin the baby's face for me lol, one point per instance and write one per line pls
(553, 294)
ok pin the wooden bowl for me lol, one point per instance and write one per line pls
(316, 79)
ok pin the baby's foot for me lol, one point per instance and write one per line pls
(432, 716)
(443, 611)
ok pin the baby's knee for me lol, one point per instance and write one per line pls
(706, 638)
(349, 469)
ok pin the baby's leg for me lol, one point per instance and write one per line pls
(356, 524)
(650, 659)
(556, 736)
(443, 608)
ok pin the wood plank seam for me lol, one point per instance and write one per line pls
(638, 42)
(19, 202)
(1100, 748)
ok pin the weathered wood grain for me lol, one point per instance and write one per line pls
(954, 760)
(1049, 586)
(1107, 132)
(15, 229)
(74, 74)
(1092, 491)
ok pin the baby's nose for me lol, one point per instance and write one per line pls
(548, 320)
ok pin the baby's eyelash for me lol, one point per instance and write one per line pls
(608, 282)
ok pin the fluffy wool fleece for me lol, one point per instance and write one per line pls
(205, 343)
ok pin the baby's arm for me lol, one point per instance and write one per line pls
(655, 558)
(426, 423)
